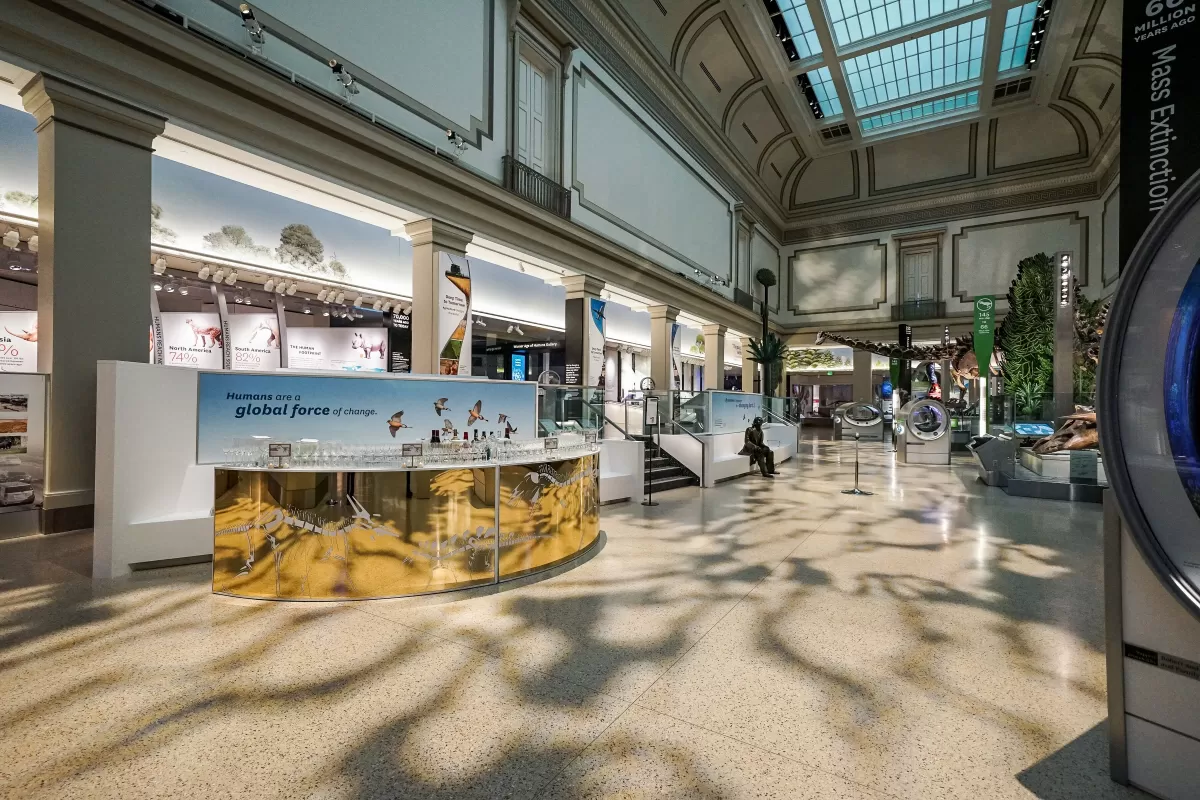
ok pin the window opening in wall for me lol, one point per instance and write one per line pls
(532, 88)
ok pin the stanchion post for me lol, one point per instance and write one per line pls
(856, 490)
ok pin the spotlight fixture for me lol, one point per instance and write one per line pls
(231, 279)
(291, 289)
(343, 76)
(510, 328)
(218, 276)
(253, 28)
(460, 147)
(183, 290)
(269, 286)
(12, 240)
(519, 331)
(171, 286)
(341, 298)
(204, 273)
(281, 289)
(377, 305)
(407, 310)
(321, 295)
(325, 313)
(160, 265)
(387, 307)
(237, 298)
(358, 301)
(32, 244)
(307, 310)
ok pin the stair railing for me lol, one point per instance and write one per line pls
(703, 448)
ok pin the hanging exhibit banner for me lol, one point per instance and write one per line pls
(399, 342)
(595, 343)
(1160, 111)
(253, 341)
(575, 345)
(353, 411)
(454, 316)
(192, 339)
(985, 332)
(338, 349)
(22, 439)
(18, 341)
(676, 343)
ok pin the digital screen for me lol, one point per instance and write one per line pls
(1033, 429)
(886, 389)
(518, 366)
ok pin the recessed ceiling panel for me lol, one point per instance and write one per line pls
(856, 20)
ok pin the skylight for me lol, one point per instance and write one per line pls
(824, 91)
(794, 28)
(1018, 27)
(927, 63)
(945, 105)
(855, 20)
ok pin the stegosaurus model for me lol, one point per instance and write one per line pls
(960, 353)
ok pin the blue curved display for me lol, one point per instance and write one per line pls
(1180, 395)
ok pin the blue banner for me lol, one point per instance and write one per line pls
(734, 411)
(353, 411)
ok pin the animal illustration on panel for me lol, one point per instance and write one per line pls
(367, 349)
(203, 335)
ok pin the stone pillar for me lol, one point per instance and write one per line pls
(749, 367)
(662, 321)
(714, 357)
(862, 377)
(584, 345)
(430, 238)
(93, 269)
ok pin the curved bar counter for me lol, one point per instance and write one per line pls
(338, 534)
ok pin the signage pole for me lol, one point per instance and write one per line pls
(985, 343)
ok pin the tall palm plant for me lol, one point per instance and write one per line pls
(770, 352)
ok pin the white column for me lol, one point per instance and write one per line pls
(430, 238)
(749, 367)
(581, 335)
(862, 376)
(714, 356)
(93, 269)
(662, 319)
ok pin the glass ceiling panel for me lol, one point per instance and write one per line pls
(798, 25)
(945, 105)
(856, 20)
(927, 63)
(822, 85)
(1018, 27)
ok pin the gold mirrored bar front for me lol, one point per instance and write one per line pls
(344, 535)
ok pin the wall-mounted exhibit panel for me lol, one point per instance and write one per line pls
(22, 440)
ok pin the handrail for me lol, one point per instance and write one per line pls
(702, 448)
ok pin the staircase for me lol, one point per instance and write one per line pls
(663, 472)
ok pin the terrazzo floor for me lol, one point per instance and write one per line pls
(766, 639)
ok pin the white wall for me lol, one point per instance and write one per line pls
(857, 278)
(634, 184)
(435, 56)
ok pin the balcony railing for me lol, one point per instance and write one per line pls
(919, 309)
(536, 188)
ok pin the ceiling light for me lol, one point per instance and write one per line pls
(291, 289)
(377, 305)
(510, 329)
(519, 331)
(254, 28)
(307, 310)
(322, 294)
(12, 240)
(157, 284)
(183, 290)
(160, 265)
(358, 301)
(218, 276)
(281, 288)
(32, 244)
(171, 286)
(341, 298)
(232, 278)
(204, 272)
(387, 306)
(343, 76)
(269, 285)
(325, 313)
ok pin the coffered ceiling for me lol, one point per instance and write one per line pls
(838, 108)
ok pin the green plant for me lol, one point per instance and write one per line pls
(770, 352)
(1026, 337)
(1090, 318)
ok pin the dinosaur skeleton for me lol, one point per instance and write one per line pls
(960, 353)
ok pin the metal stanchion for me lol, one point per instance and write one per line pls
(650, 501)
(856, 490)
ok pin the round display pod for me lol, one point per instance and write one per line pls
(860, 415)
(1149, 396)
(926, 419)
